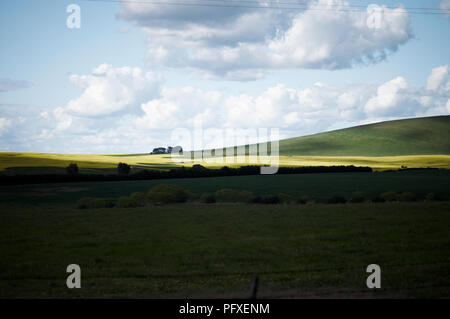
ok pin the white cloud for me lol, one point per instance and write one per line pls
(109, 90)
(5, 125)
(240, 44)
(438, 78)
(179, 107)
(336, 40)
(388, 97)
(295, 111)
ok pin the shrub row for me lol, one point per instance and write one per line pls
(167, 193)
(159, 194)
(180, 172)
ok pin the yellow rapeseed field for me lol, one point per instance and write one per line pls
(164, 161)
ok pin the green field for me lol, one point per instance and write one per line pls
(214, 251)
(200, 250)
(414, 143)
(315, 186)
(44, 163)
(418, 136)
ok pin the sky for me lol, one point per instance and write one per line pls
(135, 71)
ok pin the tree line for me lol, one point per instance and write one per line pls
(125, 172)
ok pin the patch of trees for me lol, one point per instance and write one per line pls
(123, 169)
(72, 169)
(164, 194)
(123, 173)
(168, 150)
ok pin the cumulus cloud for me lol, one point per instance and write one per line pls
(295, 111)
(388, 97)
(438, 78)
(109, 90)
(240, 44)
(180, 107)
(12, 85)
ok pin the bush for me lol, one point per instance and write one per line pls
(270, 199)
(303, 200)
(123, 169)
(246, 196)
(256, 199)
(127, 202)
(72, 169)
(335, 199)
(266, 199)
(207, 198)
(227, 195)
(89, 202)
(191, 196)
(83, 202)
(406, 197)
(357, 197)
(167, 193)
(233, 196)
(97, 203)
(378, 199)
(430, 197)
(285, 198)
(110, 204)
(389, 196)
(139, 198)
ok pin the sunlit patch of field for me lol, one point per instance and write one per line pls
(90, 162)
(376, 163)
(84, 161)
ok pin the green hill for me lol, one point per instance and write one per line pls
(418, 136)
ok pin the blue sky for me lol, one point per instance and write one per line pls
(134, 72)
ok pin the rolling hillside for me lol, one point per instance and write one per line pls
(419, 136)
(420, 142)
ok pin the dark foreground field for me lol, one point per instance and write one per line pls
(314, 186)
(199, 250)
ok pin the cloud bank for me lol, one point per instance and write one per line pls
(146, 111)
(243, 43)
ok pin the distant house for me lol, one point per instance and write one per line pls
(159, 150)
(169, 150)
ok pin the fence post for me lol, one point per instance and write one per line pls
(255, 287)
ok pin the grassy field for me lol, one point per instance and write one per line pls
(195, 250)
(420, 142)
(316, 186)
(199, 250)
(214, 251)
(418, 136)
(44, 163)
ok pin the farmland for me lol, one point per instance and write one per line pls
(418, 136)
(214, 251)
(315, 186)
(42, 163)
(196, 249)
(413, 143)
